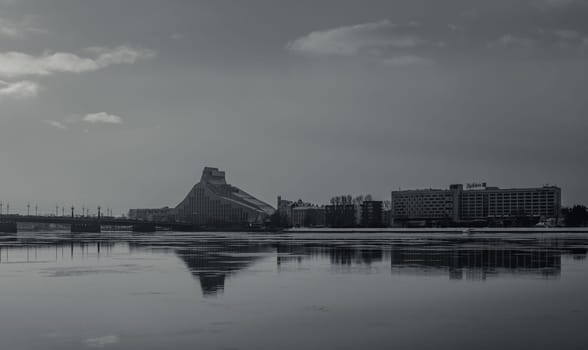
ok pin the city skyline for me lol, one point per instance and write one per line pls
(30, 208)
(121, 104)
(293, 174)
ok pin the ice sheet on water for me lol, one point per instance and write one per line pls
(91, 270)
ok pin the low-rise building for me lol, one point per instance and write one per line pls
(371, 214)
(308, 216)
(285, 211)
(340, 215)
(387, 217)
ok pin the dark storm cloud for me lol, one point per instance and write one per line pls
(302, 98)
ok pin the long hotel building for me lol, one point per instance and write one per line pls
(477, 202)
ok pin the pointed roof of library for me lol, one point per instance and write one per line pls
(215, 180)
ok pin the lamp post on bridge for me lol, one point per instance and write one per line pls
(98, 213)
(28, 209)
(72, 212)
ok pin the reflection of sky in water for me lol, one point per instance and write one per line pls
(120, 291)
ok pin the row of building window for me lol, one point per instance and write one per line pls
(543, 202)
(202, 207)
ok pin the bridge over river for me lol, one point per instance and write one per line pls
(9, 223)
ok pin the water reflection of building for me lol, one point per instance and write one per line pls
(338, 254)
(459, 259)
(22, 250)
(215, 260)
(478, 263)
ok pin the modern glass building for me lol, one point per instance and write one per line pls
(214, 202)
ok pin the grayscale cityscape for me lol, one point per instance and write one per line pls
(293, 174)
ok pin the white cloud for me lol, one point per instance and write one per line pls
(511, 41)
(565, 34)
(14, 64)
(455, 27)
(557, 3)
(177, 36)
(8, 29)
(12, 29)
(470, 14)
(408, 60)
(101, 342)
(56, 124)
(119, 55)
(367, 38)
(102, 117)
(20, 89)
(93, 118)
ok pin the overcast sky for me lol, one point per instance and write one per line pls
(122, 103)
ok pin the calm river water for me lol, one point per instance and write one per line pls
(297, 291)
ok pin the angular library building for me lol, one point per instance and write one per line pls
(214, 202)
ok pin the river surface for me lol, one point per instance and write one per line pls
(293, 291)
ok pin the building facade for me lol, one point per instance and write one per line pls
(495, 203)
(341, 215)
(371, 214)
(478, 202)
(285, 211)
(308, 216)
(300, 213)
(428, 204)
(214, 202)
